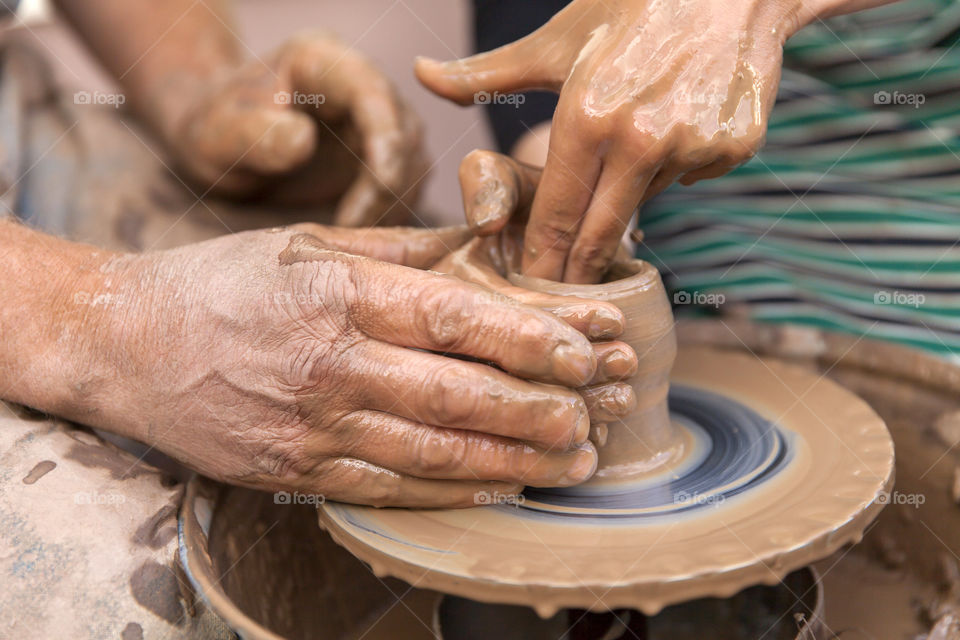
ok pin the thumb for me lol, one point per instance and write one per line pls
(514, 67)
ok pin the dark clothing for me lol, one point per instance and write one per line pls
(500, 22)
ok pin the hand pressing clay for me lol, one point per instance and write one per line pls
(628, 403)
(744, 471)
(283, 360)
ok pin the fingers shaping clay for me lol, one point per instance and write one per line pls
(735, 473)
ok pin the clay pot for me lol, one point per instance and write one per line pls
(645, 440)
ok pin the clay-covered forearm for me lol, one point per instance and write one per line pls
(52, 321)
(157, 51)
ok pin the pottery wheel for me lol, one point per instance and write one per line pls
(779, 468)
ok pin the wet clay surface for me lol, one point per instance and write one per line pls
(682, 549)
(644, 440)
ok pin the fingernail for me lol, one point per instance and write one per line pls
(605, 325)
(571, 360)
(619, 364)
(584, 466)
(426, 60)
(620, 401)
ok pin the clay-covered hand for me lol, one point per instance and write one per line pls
(276, 360)
(315, 124)
(497, 190)
(650, 93)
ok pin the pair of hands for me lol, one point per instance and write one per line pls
(650, 93)
(328, 361)
(329, 372)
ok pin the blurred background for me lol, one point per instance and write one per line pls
(391, 32)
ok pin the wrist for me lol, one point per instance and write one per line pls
(54, 338)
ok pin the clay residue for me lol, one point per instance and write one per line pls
(39, 470)
(132, 631)
(646, 433)
(159, 529)
(154, 587)
(98, 456)
(303, 247)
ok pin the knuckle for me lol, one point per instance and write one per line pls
(556, 234)
(450, 396)
(443, 315)
(593, 257)
(384, 491)
(439, 455)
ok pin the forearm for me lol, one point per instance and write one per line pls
(157, 51)
(54, 318)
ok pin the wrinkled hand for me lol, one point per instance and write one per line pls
(317, 124)
(271, 360)
(650, 93)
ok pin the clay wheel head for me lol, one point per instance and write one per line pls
(779, 468)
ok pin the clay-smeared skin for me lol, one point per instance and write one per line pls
(651, 92)
(486, 262)
(186, 75)
(639, 436)
(270, 360)
(367, 134)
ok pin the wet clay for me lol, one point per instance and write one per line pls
(645, 440)
(41, 469)
(812, 488)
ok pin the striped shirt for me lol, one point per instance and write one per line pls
(848, 218)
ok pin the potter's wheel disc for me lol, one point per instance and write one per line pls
(798, 473)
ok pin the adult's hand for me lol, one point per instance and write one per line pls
(317, 122)
(276, 360)
(650, 93)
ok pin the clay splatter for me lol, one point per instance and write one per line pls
(154, 586)
(132, 631)
(41, 469)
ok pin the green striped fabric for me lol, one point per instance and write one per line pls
(849, 218)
